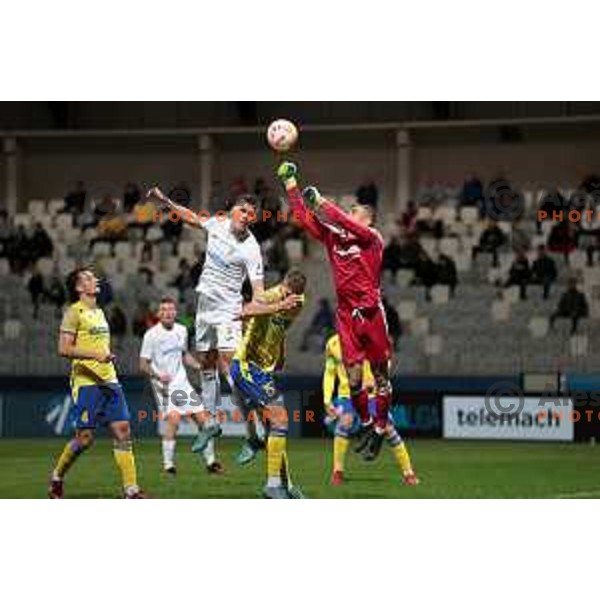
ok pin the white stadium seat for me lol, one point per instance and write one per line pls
(404, 277)
(500, 311)
(55, 205)
(12, 329)
(407, 310)
(433, 345)
(419, 327)
(22, 219)
(36, 208)
(469, 215)
(539, 327)
(440, 294)
(579, 345)
(294, 251)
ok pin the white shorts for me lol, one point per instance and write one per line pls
(181, 398)
(222, 336)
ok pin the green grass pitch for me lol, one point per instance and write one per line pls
(447, 469)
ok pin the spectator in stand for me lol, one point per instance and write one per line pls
(5, 233)
(171, 231)
(322, 324)
(591, 185)
(143, 216)
(239, 187)
(520, 238)
(491, 240)
(552, 201)
(276, 254)
(183, 280)
(393, 322)
(368, 194)
(117, 321)
(36, 291)
(563, 239)
(589, 230)
(55, 292)
(392, 255)
(131, 196)
(472, 192)
(143, 318)
(572, 305)
(432, 223)
(41, 245)
(408, 219)
(105, 207)
(18, 250)
(197, 267)
(543, 271)
(447, 273)
(519, 274)
(111, 229)
(147, 254)
(425, 273)
(75, 200)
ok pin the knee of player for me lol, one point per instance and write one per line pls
(86, 437)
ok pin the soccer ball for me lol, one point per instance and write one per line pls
(282, 135)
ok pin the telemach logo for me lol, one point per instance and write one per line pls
(483, 418)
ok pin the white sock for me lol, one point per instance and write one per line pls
(209, 453)
(210, 392)
(274, 481)
(168, 452)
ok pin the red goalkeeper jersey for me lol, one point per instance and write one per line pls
(355, 251)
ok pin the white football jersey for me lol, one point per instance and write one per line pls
(164, 348)
(228, 262)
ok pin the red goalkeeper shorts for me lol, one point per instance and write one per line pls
(363, 335)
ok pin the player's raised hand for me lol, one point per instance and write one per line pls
(155, 193)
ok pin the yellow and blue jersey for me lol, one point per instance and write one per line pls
(263, 343)
(262, 352)
(96, 393)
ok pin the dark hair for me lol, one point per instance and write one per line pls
(239, 200)
(168, 300)
(71, 283)
(296, 280)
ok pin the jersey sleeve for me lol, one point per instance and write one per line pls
(336, 215)
(254, 263)
(70, 322)
(210, 224)
(306, 218)
(147, 346)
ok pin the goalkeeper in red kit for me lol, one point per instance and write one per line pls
(355, 252)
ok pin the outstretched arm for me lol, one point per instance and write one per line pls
(287, 174)
(188, 216)
(334, 214)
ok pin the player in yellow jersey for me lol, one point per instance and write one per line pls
(343, 419)
(97, 395)
(260, 355)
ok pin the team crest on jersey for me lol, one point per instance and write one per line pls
(352, 250)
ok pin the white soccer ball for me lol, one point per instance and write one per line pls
(282, 135)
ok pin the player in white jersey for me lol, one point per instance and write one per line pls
(232, 254)
(163, 355)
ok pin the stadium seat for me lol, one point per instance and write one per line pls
(511, 294)
(64, 222)
(37, 208)
(55, 205)
(419, 327)
(154, 234)
(101, 249)
(449, 246)
(187, 250)
(463, 262)
(539, 327)
(118, 280)
(12, 329)
(469, 215)
(66, 265)
(429, 244)
(123, 250)
(578, 345)
(577, 259)
(440, 294)
(23, 219)
(433, 345)
(45, 266)
(407, 310)
(500, 311)
(424, 213)
(404, 277)
(4, 267)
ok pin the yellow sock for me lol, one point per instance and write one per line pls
(340, 449)
(402, 458)
(125, 460)
(276, 447)
(69, 455)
